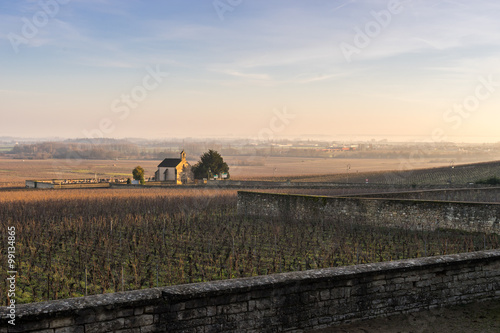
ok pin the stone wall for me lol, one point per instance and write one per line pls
(411, 213)
(38, 184)
(293, 302)
(483, 195)
(29, 183)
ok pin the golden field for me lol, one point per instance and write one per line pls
(14, 172)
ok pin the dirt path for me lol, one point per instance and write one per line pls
(473, 318)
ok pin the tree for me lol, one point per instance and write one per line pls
(138, 174)
(211, 163)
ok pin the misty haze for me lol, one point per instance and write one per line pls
(249, 166)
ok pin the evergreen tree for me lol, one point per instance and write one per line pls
(211, 163)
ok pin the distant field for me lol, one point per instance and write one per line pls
(5, 148)
(296, 168)
(15, 172)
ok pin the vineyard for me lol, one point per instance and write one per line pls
(453, 174)
(71, 243)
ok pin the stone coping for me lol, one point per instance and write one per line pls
(70, 305)
(437, 190)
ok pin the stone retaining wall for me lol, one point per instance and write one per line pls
(408, 213)
(292, 302)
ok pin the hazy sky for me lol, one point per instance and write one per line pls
(258, 68)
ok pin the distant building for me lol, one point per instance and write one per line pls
(175, 170)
